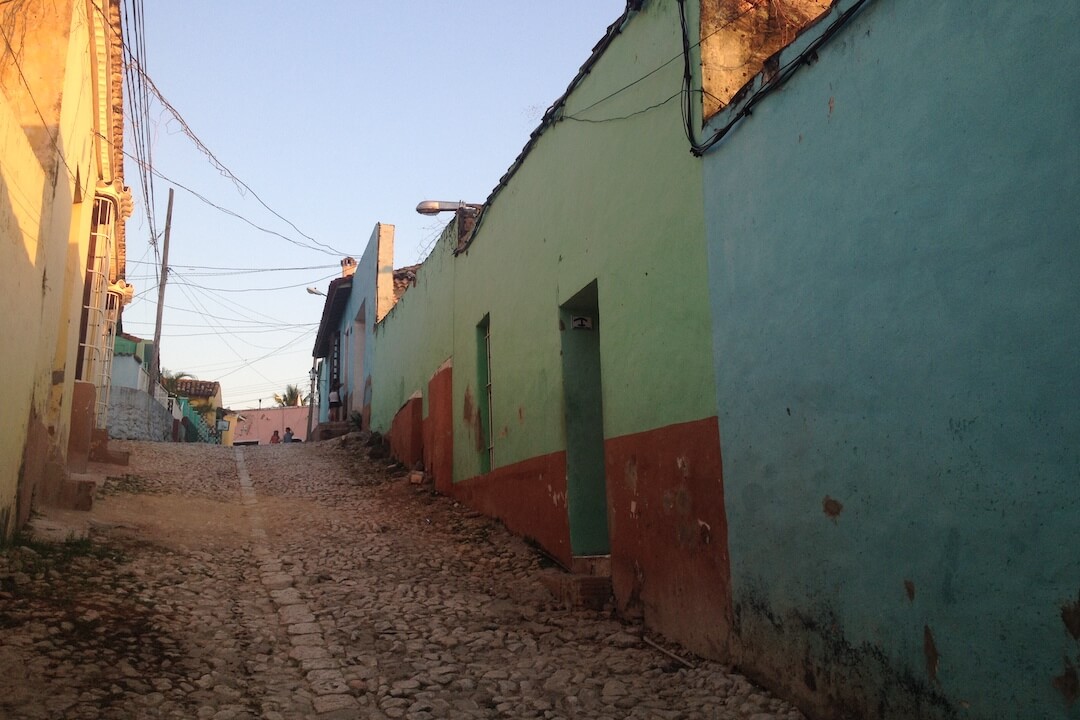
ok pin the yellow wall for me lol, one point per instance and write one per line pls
(47, 120)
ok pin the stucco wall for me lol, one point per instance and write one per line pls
(128, 372)
(893, 258)
(259, 424)
(415, 337)
(610, 195)
(619, 201)
(42, 242)
(134, 415)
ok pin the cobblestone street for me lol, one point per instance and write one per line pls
(306, 580)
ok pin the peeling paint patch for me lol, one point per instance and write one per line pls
(1070, 615)
(470, 406)
(909, 588)
(1067, 683)
(705, 531)
(521, 415)
(931, 653)
(684, 466)
(832, 507)
(471, 416)
(630, 475)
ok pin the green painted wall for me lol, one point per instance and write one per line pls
(415, 337)
(895, 274)
(616, 200)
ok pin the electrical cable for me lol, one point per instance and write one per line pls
(229, 212)
(782, 75)
(260, 289)
(29, 91)
(227, 270)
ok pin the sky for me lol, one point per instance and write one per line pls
(336, 115)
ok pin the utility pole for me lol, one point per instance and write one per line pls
(311, 402)
(155, 367)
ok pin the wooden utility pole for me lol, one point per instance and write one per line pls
(155, 367)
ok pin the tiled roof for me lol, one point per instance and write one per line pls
(404, 278)
(198, 388)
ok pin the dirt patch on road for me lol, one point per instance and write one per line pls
(173, 521)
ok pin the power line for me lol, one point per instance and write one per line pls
(228, 303)
(139, 78)
(217, 164)
(29, 91)
(195, 303)
(227, 211)
(258, 289)
(238, 270)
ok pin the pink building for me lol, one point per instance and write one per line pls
(256, 426)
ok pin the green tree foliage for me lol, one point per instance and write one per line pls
(293, 395)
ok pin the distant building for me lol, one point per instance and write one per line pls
(354, 303)
(255, 426)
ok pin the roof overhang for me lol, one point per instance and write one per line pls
(337, 297)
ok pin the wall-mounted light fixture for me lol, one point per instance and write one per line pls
(434, 207)
(315, 291)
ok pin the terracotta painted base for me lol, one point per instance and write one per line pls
(530, 499)
(406, 433)
(668, 526)
(439, 430)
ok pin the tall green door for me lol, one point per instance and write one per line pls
(579, 324)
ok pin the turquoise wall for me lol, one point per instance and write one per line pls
(895, 285)
(601, 197)
(363, 290)
(362, 295)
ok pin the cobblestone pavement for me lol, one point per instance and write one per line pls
(306, 580)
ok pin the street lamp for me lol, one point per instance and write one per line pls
(434, 207)
(315, 291)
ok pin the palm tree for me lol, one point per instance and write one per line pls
(170, 378)
(293, 395)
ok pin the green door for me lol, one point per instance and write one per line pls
(586, 491)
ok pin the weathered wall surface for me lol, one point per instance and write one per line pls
(258, 424)
(134, 415)
(372, 292)
(45, 141)
(608, 194)
(415, 338)
(893, 257)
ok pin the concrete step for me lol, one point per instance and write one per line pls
(330, 430)
(573, 591)
(74, 491)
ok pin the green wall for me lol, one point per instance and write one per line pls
(415, 337)
(617, 201)
(894, 262)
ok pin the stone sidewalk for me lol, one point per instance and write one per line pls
(307, 581)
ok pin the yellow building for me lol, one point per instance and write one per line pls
(62, 208)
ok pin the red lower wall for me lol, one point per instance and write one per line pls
(530, 499)
(406, 433)
(439, 430)
(668, 528)
(666, 516)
